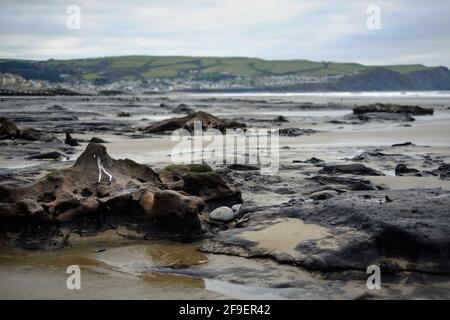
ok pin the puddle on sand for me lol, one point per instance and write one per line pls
(109, 274)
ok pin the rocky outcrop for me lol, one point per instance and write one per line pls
(392, 108)
(208, 121)
(200, 180)
(102, 192)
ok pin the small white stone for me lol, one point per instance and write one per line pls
(222, 214)
(236, 208)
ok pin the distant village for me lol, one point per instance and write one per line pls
(227, 82)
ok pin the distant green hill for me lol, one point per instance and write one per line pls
(110, 69)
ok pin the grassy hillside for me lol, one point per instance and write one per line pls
(108, 69)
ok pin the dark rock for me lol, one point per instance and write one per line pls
(404, 144)
(182, 108)
(377, 117)
(36, 135)
(356, 169)
(354, 184)
(123, 114)
(312, 160)
(97, 140)
(295, 132)
(280, 119)
(402, 170)
(71, 141)
(46, 155)
(392, 108)
(56, 108)
(242, 167)
(443, 171)
(367, 154)
(8, 130)
(207, 121)
(199, 180)
(323, 194)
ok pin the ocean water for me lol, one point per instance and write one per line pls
(360, 94)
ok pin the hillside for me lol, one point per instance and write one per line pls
(299, 74)
(144, 67)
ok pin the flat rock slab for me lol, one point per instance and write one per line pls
(399, 230)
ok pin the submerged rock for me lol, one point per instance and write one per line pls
(392, 108)
(207, 120)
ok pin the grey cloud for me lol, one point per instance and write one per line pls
(412, 31)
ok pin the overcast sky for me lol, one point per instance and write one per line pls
(412, 31)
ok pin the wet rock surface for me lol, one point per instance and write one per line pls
(349, 231)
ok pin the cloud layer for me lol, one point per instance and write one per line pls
(411, 31)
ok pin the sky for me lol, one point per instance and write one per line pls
(412, 31)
